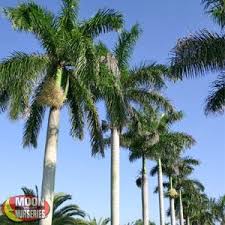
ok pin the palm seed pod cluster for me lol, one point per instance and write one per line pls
(172, 193)
(51, 95)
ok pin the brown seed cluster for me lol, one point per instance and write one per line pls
(51, 95)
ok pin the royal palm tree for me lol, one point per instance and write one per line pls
(171, 167)
(61, 75)
(190, 189)
(196, 204)
(203, 52)
(68, 214)
(203, 213)
(145, 132)
(168, 148)
(137, 86)
(218, 208)
(140, 136)
(182, 167)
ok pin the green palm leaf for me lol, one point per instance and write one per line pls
(124, 48)
(104, 21)
(215, 102)
(36, 19)
(216, 9)
(198, 54)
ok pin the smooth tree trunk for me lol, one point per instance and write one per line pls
(144, 193)
(115, 176)
(188, 221)
(48, 181)
(172, 206)
(161, 197)
(181, 208)
(49, 165)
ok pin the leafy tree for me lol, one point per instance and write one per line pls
(61, 75)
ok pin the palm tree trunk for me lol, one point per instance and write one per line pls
(181, 208)
(49, 167)
(172, 206)
(187, 220)
(144, 193)
(115, 177)
(161, 197)
(48, 181)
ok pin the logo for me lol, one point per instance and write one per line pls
(25, 208)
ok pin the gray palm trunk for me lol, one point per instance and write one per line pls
(144, 193)
(49, 168)
(172, 206)
(51, 145)
(187, 220)
(115, 176)
(161, 197)
(181, 208)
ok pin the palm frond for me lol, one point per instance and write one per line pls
(151, 98)
(76, 112)
(125, 46)
(59, 199)
(191, 161)
(68, 16)
(215, 102)
(92, 115)
(169, 119)
(68, 211)
(154, 170)
(20, 68)
(216, 9)
(28, 191)
(34, 121)
(18, 75)
(36, 19)
(101, 49)
(135, 154)
(110, 90)
(198, 54)
(4, 100)
(104, 21)
(148, 76)
(33, 125)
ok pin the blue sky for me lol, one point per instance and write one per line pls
(87, 178)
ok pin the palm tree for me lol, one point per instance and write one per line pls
(139, 141)
(189, 189)
(137, 86)
(218, 208)
(140, 222)
(203, 52)
(94, 221)
(169, 146)
(61, 214)
(168, 149)
(143, 136)
(183, 167)
(195, 204)
(62, 75)
(203, 214)
(171, 167)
